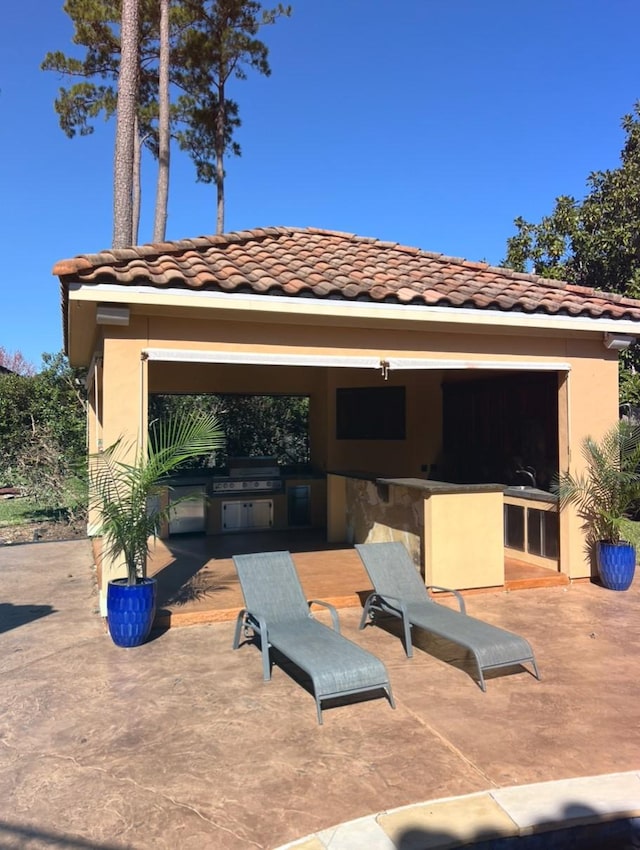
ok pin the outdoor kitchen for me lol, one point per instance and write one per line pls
(486, 465)
(490, 481)
(248, 494)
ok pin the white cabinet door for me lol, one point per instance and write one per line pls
(233, 515)
(237, 516)
(261, 513)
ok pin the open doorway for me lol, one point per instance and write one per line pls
(502, 429)
(255, 425)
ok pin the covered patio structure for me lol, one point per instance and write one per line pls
(444, 395)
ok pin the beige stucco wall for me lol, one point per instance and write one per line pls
(588, 401)
(394, 458)
(464, 543)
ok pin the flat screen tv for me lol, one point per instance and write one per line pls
(370, 413)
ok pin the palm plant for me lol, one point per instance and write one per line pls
(610, 485)
(121, 491)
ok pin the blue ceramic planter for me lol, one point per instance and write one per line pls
(130, 610)
(616, 564)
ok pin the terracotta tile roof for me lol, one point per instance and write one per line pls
(326, 264)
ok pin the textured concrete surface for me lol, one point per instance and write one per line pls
(609, 803)
(179, 743)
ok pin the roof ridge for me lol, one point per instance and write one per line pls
(148, 250)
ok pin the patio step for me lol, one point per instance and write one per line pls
(167, 618)
(519, 575)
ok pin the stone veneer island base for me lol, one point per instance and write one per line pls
(453, 532)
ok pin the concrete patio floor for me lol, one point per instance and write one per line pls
(180, 744)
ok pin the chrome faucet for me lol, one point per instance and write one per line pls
(528, 472)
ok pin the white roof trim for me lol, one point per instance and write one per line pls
(396, 363)
(119, 293)
(385, 364)
(253, 358)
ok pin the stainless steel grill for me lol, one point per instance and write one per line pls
(249, 475)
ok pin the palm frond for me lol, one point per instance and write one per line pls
(610, 484)
(121, 490)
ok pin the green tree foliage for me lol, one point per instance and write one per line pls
(596, 241)
(209, 41)
(275, 426)
(267, 425)
(593, 242)
(226, 32)
(42, 432)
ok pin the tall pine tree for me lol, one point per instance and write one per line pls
(126, 124)
(207, 43)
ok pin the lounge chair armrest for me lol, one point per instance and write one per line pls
(394, 602)
(458, 596)
(253, 621)
(331, 609)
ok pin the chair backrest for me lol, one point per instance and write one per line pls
(271, 586)
(392, 572)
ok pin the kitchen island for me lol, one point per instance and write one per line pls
(454, 532)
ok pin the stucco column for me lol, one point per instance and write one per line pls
(124, 416)
(587, 406)
(94, 422)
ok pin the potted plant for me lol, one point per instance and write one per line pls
(604, 495)
(128, 516)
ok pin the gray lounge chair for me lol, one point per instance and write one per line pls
(279, 614)
(400, 592)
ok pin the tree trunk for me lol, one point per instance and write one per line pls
(162, 188)
(125, 125)
(219, 143)
(136, 188)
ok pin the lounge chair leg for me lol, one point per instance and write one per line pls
(408, 645)
(319, 710)
(389, 692)
(535, 669)
(266, 660)
(239, 624)
(482, 681)
(365, 612)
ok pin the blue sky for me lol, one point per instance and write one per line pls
(431, 123)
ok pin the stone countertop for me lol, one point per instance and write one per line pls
(431, 488)
(434, 488)
(531, 494)
(426, 485)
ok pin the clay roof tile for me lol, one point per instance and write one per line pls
(315, 263)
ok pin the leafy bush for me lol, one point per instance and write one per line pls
(42, 434)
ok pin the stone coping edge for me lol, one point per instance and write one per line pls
(519, 810)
